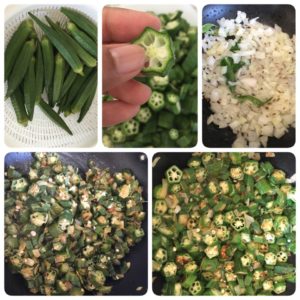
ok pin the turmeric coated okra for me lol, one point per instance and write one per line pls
(224, 225)
(67, 234)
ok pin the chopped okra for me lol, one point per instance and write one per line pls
(224, 225)
(174, 174)
(173, 134)
(156, 101)
(159, 51)
(172, 97)
(144, 115)
(169, 118)
(68, 233)
(130, 127)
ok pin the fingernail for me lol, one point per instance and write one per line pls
(128, 58)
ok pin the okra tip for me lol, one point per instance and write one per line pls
(79, 71)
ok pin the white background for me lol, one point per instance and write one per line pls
(100, 3)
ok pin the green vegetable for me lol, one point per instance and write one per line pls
(190, 62)
(208, 27)
(160, 207)
(81, 21)
(158, 50)
(78, 85)
(58, 77)
(277, 177)
(251, 167)
(236, 46)
(156, 101)
(174, 134)
(15, 45)
(263, 187)
(222, 226)
(166, 120)
(238, 223)
(232, 69)
(130, 127)
(79, 50)
(257, 102)
(30, 89)
(169, 269)
(196, 288)
(169, 119)
(64, 48)
(161, 255)
(20, 68)
(31, 74)
(174, 174)
(85, 108)
(17, 101)
(144, 115)
(39, 74)
(52, 243)
(48, 58)
(82, 97)
(54, 116)
(70, 78)
(83, 39)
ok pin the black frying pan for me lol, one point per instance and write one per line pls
(284, 161)
(137, 162)
(282, 15)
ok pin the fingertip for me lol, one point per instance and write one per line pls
(156, 24)
(147, 93)
(120, 25)
(116, 112)
(128, 58)
(132, 92)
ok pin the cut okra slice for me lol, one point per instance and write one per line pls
(173, 26)
(19, 185)
(170, 269)
(117, 135)
(174, 174)
(159, 83)
(196, 288)
(160, 207)
(172, 98)
(161, 255)
(174, 15)
(144, 115)
(131, 127)
(174, 108)
(173, 134)
(238, 223)
(159, 51)
(156, 101)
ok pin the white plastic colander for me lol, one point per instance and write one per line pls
(42, 132)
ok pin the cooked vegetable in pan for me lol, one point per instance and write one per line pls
(248, 74)
(67, 234)
(224, 225)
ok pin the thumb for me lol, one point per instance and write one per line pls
(120, 64)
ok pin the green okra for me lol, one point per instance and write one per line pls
(30, 89)
(20, 68)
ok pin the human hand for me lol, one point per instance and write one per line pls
(122, 62)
